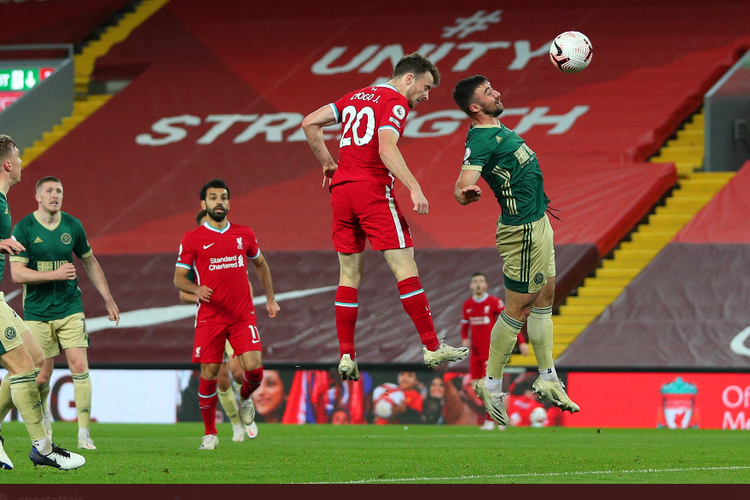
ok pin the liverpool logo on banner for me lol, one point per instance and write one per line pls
(678, 405)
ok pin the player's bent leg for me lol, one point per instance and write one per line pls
(24, 393)
(252, 362)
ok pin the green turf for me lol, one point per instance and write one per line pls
(152, 454)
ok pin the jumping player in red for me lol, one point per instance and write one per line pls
(361, 187)
(217, 252)
(480, 312)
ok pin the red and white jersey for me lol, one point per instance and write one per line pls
(364, 113)
(479, 316)
(219, 260)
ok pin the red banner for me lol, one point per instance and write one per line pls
(649, 400)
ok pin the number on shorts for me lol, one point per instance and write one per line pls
(254, 333)
(350, 115)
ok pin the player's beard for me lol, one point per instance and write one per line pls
(496, 111)
(217, 217)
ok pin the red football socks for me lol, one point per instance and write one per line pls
(346, 318)
(251, 381)
(207, 397)
(416, 306)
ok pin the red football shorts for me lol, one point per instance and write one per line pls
(210, 340)
(367, 210)
(478, 365)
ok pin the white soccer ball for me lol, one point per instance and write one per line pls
(385, 397)
(538, 416)
(571, 51)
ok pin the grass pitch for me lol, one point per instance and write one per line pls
(369, 454)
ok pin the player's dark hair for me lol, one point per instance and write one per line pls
(7, 146)
(418, 65)
(199, 216)
(214, 183)
(44, 179)
(463, 92)
(478, 274)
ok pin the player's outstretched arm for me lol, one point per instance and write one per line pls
(466, 190)
(96, 275)
(313, 125)
(394, 162)
(264, 275)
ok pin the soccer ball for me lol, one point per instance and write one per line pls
(384, 397)
(571, 51)
(538, 416)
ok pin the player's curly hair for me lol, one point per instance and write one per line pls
(214, 183)
(463, 92)
(418, 65)
(7, 146)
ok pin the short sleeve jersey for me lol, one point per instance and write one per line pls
(47, 248)
(511, 170)
(364, 113)
(5, 228)
(219, 260)
(480, 315)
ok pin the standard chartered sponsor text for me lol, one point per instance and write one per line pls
(219, 263)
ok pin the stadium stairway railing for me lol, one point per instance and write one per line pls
(694, 190)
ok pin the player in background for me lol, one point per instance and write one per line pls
(14, 354)
(218, 251)
(363, 204)
(480, 311)
(52, 305)
(230, 368)
(524, 240)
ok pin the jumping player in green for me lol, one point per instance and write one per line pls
(524, 240)
(52, 300)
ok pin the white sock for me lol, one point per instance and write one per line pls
(43, 446)
(493, 384)
(550, 374)
(83, 433)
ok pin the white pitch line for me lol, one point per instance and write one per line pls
(534, 474)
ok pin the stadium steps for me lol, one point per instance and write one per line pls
(115, 34)
(693, 191)
(86, 104)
